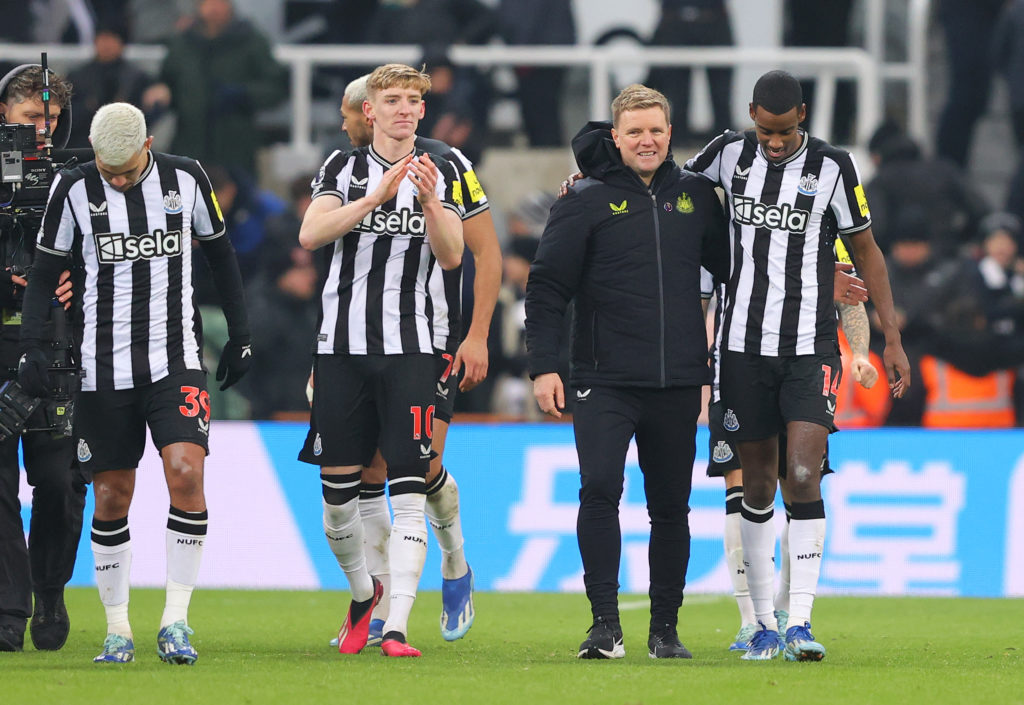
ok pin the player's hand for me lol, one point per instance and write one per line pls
(549, 393)
(848, 289)
(423, 173)
(897, 369)
(388, 186)
(34, 373)
(63, 291)
(472, 355)
(235, 361)
(864, 373)
(564, 187)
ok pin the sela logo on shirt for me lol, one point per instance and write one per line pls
(748, 211)
(808, 185)
(402, 222)
(112, 248)
(172, 203)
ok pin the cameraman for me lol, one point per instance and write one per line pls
(58, 494)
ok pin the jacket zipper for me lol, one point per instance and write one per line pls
(661, 283)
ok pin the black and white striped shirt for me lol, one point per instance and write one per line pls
(445, 286)
(784, 219)
(374, 299)
(140, 324)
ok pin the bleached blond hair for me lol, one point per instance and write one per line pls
(117, 133)
(355, 91)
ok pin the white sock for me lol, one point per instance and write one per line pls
(186, 534)
(376, 531)
(442, 511)
(407, 551)
(344, 532)
(737, 571)
(782, 596)
(759, 561)
(806, 544)
(112, 556)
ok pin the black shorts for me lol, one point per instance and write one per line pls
(362, 400)
(722, 455)
(111, 424)
(447, 387)
(766, 393)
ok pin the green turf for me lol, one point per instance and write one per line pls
(271, 647)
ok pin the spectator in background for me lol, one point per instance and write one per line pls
(999, 274)
(283, 319)
(280, 291)
(246, 210)
(216, 75)
(969, 27)
(933, 188)
(540, 88)
(513, 390)
(434, 22)
(811, 23)
(459, 103)
(689, 23)
(1008, 57)
(107, 78)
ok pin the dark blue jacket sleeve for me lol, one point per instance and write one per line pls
(554, 280)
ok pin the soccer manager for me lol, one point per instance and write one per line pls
(626, 244)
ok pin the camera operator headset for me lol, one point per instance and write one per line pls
(43, 567)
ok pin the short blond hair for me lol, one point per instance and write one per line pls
(397, 76)
(639, 97)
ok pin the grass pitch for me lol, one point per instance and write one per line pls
(271, 647)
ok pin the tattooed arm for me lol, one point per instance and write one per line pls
(854, 320)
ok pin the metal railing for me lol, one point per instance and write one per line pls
(824, 65)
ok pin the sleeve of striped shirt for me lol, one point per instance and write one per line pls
(57, 232)
(708, 161)
(207, 219)
(449, 188)
(849, 203)
(325, 183)
(474, 200)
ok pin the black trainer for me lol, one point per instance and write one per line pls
(664, 643)
(11, 637)
(50, 624)
(604, 640)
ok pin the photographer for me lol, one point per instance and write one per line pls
(58, 486)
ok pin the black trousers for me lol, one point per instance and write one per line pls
(664, 422)
(45, 565)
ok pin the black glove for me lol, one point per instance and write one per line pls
(34, 373)
(234, 361)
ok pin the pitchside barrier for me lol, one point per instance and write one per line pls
(910, 512)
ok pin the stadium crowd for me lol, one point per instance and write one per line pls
(953, 254)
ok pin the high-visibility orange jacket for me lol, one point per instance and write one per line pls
(955, 399)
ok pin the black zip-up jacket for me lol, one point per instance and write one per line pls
(630, 257)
